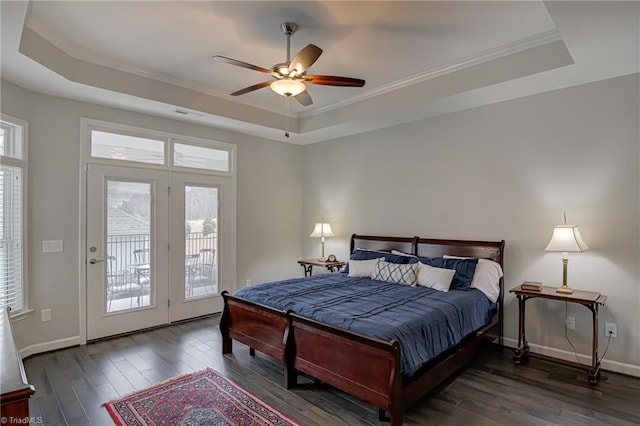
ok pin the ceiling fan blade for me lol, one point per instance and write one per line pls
(332, 80)
(251, 88)
(304, 59)
(242, 64)
(304, 98)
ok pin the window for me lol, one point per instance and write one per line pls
(12, 213)
(126, 147)
(199, 157)
(110, 143)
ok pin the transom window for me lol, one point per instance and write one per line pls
(114, 143)
(126, 147)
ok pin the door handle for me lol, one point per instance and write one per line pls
(93, 260)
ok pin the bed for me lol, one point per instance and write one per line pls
(364, 362)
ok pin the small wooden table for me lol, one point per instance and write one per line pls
(308, 265)
(591, 300)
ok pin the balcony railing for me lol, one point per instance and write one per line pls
(127, 255)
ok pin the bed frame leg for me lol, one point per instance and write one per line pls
(382, 415)
(290, 377)
(227, 343)
(252, 352)
(395, 419)
(395, 414)
(288, 354)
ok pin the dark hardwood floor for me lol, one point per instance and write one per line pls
(72, 384)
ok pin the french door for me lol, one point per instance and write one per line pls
(195, 246)
(152, 248)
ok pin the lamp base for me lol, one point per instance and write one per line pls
(322, 259)
(564, 290)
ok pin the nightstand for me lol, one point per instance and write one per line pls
(591, 300)
(308, 265)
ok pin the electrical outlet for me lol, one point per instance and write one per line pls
(611, 329)
(247, 282)
(45, 315)
(571, 323)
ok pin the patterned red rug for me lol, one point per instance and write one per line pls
(199, 399)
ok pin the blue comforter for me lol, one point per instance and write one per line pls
(424, 321)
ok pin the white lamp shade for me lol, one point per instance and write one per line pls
(567, 238)
(288, 87)
(322, 229)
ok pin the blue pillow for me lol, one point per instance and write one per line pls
(362, 254)
(465, 268)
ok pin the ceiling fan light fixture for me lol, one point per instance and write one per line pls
(288, 87)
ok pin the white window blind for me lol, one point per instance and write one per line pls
(13, 168)
(11, 251)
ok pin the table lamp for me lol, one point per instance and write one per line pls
(322, 230)
(566, 238)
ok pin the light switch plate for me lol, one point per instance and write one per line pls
(45, 315)
(52, 246)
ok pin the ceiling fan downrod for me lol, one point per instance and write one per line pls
(289, 28)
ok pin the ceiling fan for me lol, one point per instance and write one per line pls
(291, 76)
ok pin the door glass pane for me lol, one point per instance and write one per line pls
(201, 241)
(128, 261)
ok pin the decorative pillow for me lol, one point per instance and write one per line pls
(363, 254)
(486, 278)
(367, 254)
(395, 272)
(400, 258)
(362, 268)
(465, 268)
(435, 278)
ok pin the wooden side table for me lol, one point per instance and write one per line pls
(591, 300)
(308, 265)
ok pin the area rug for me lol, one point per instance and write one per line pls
(204, 398)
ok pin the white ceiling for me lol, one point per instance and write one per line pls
(419, 58)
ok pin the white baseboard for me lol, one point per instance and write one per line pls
(50, 346)
(618, 367)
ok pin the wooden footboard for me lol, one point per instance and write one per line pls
(362, 366)
(257, 326)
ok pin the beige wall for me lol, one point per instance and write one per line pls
(507, 171)
(504, 171)
(269, 206)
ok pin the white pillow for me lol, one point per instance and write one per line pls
(435, 278)
(398, 273)
(486, 278)
(362, 268)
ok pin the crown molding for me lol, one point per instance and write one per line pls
(466, 62)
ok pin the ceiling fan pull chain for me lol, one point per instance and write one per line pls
(286, 116)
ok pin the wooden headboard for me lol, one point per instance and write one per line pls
(372, 242)
(427, 247)
(492, 250)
